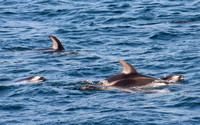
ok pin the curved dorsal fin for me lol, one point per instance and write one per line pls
(128, 68)
(56, 44)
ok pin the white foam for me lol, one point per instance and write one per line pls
(104, 82)
(160, 91)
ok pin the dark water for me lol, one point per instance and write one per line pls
(158, 38)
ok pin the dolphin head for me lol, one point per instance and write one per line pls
(174, 78)
(33, 79)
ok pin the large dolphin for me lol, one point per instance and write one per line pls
(130, 78)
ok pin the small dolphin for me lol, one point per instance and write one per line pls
(33, 79)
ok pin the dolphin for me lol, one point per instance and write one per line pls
(32, 79)
(57, 46)
(130, 78)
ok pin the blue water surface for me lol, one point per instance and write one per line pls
(158, 37)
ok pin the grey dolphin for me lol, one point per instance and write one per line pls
(57, 46)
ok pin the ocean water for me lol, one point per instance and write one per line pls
(159, 38)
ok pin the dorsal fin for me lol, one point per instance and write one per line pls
(56, 44)
(128, 68)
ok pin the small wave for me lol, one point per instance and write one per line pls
(88, 82)
(104, 85)
(104, 82)
(11, 107)
(16, 83)
(163, 36)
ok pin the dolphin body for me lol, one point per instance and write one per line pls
(130, 78)
(57, 46)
